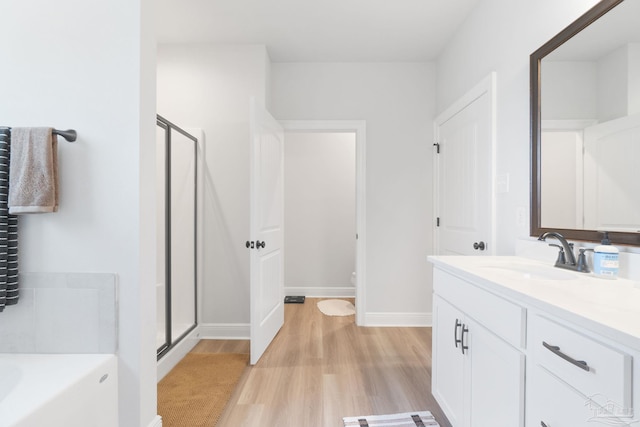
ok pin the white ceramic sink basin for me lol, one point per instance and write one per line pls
(531, 272)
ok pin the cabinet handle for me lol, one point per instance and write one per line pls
(556, 350)
(464, 331)
(456, 341)
(542, 424)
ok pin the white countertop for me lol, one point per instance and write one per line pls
(608, 307)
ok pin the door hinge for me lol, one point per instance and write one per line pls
(437, 145)
(438, 222)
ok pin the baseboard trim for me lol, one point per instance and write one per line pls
(242, 331)
(224, 331)
(321, 291)
(157, 422)
(175, 355)
(399, 319)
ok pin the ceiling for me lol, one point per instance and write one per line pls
(318, 30)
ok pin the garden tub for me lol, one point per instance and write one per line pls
(70, 390)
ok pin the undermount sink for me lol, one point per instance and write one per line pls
(530, 272)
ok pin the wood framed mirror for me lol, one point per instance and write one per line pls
(585, 127)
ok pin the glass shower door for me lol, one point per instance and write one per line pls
(177, 239)
(162, 338)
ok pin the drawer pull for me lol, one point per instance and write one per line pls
(542, 424)
(556, 350)
(456, 341)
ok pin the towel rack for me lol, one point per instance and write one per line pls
(70, 134)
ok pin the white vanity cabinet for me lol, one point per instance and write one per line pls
(575, 378)
(478, 375)
(541, 349)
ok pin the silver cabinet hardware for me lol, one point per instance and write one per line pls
(556, 350)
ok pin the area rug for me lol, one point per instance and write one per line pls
(405, 419)
(195, 392)
(336, 307)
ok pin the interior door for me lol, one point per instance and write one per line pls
(611, 186)
(464, 175)
(266, 229)
(561, 157)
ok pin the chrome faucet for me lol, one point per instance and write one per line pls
(566, 257)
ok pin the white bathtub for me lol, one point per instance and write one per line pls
(58, 390)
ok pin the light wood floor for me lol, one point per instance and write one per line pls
(319, 369)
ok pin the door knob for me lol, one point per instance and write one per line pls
(259, 244)
(479, 246)
(249, 244)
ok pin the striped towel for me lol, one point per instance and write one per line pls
(8, 230)
(405, 419)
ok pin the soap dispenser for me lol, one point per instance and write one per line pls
(605, 259)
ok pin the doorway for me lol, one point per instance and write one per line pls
(332, 133)
(320, 213)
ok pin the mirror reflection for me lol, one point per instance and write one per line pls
(590, 127)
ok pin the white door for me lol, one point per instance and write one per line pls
(611, 186)
(561, 153)
(464, 174)
(266, 230)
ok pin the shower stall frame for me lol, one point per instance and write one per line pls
(169, 339)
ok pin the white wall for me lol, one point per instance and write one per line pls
(603, 89)
(569, 90)
(499, 36)
(320, 210)
(397, 102)
(613, 84)
(619, 82)
(90, 66)
(208, 87)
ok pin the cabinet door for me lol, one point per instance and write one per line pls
(448, 361)
(496, 378)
